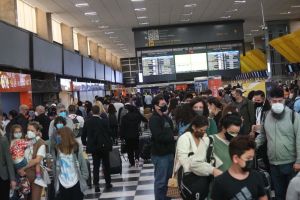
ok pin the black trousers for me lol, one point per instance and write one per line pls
(132, 146)
(4, 189)
(97, 157)
(73, 193)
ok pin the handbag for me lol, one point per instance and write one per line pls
(173, 189)
(193, 186)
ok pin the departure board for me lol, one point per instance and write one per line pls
(232, 60)
(160, 65)
(215, 61)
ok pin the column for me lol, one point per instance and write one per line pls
(93, 50)
(82, 44)
(67, 36)
(8, 11)
(43, 24)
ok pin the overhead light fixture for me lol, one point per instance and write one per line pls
(255, 30)
(187, 14)
(185, 20)
(125, 49)
(103, 27)
(226, 17)
(234, 10)
(110, 32)
(140, 9)
(95, 20)
(295, 6)
(81, 5)
(137, 0)
(286, 13)
(144, 23)
(142, 17)
(192, 5)
(120, 44)
(90, 13)
(113, 37)
(240, 1)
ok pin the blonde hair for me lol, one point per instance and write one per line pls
(101, 107)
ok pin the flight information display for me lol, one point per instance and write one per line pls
(160, 65)
(191, 62)
(232, 60)
(215, 61)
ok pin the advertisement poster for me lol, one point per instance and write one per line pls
(14, 82)
(255, 85)
(214, 83)
(201, 84)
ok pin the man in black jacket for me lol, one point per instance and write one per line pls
(95, 136)
(44, 120)
(21, 119)
(163, 146)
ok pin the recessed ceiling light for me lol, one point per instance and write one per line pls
(187, 14)
(234, 10)
(137, 0)
(113, 37)
(110, 32)
(90, 13)
(286, 13)
(103, 27)
(142, 17)
(144, 23)
(192, 5)
(255, 30)
(240, 1)
(225, 17)
(125, 49)
(140, 9)
(185, 20)
(95, 20)
(80, 5)
(295, 6)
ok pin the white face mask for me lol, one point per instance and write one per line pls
(18, 135)
(30, 135)
(291, 96)
(277, 108)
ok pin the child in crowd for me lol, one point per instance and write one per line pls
(17, 149)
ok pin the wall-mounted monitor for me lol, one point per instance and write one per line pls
(14, 47)
(72, 64)
(232, 59)
(88, 68)
(47, 57)
(113, 77)
(100, 74)
(191, 62)
(108, 73)
(215, 61)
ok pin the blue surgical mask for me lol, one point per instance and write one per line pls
(58, 139)
(18, 135)
(59, 126)
(31, 135)
(63, 114)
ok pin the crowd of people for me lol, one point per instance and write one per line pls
(219, 147)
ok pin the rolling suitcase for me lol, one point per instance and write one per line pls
(115, 161)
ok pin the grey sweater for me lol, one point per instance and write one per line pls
(293, 191)
(283, 138)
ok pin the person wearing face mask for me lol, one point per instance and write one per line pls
(245, 108)
(215, 109)
(200, 108)
(240, 181)
(34, 155)
(281, 131)
(191, 152)
(296, 104)
(61, 112)
(230, 127)
(163, 146)
(223, 95)
(44, 120)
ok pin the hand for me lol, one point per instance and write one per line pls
(217, 172)
(13, 185)
(21, 172)
(296, 167)
(252, 134)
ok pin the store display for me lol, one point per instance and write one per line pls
(191, 62)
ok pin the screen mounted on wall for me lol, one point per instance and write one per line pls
(191, 62)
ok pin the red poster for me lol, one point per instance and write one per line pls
(213, 84)
(14, 82)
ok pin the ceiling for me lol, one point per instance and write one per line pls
(112, 25)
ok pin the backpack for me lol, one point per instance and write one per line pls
(77, 129)
(122, 112)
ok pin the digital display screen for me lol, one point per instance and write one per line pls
(160, 65)
(215, 61)
(191, 62)
(232, 59)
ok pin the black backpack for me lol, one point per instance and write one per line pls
(77, 129)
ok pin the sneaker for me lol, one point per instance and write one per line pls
(97, 189)
(108, 186)
(39, 181)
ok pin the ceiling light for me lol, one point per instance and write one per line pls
(137, 0)
(295, 6)
(80, 5)
(234, 10)
(95, 20)
(241, 1)
(225, 17)
(187, 14)
(185, 20)
(113, 37)
(144, 23)
(192, 5)
(125, 49)
(90, 13)
(286, 13)
(103, 27)
(120, 44)
(255, 30)
(140, 9)
(142, 17)
(110, 32)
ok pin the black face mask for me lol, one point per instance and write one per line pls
(220, 94)
(228, 136)
(163, 108)
(249, 166)
(258, 105)
(233, 98)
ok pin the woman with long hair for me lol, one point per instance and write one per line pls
(215, 109)
(113, 122)
(70, 168)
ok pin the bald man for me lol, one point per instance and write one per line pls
(44, 120)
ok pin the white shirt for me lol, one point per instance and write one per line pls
(79, 118)
(118, 105)
(148, 99)
(68, 176)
